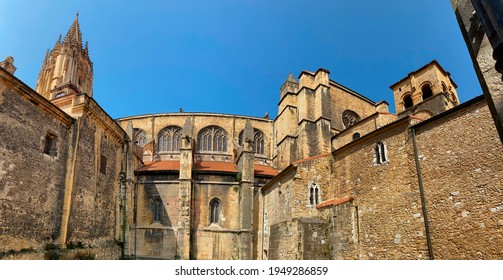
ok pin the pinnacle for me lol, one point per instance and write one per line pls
(74, 36)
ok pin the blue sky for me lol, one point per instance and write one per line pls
(233, 56)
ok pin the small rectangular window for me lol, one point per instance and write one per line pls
(50, 145)
(103, 164)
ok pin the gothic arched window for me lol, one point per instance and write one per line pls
(349, 118)
(140, 137)
(258, 141)
(170, 138)
(380, 153)
(156, 209)
(314, 195)
(214, 211)
(212, 138)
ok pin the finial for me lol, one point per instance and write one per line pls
(77, 14)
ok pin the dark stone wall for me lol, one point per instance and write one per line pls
(31, 182)
(93, 219)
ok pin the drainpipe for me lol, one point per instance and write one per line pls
(134, 215)
(122, 192)
(263, 219)
(421, 192)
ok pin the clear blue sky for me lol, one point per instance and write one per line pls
(232, 57)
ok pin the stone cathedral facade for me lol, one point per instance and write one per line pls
(334, 176)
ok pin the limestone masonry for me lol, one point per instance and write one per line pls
(334, 176)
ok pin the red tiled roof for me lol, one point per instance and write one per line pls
(219, 166)
(335, 201)
(160, 165)
(216, 166)
(265, 170)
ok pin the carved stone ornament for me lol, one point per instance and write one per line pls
(349, 118)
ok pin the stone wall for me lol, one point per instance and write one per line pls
(481, 53)
(31, 182)
(389, 208)
(462, 169)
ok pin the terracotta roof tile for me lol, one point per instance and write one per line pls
(265, 170)
(160, 165)
(219, 166)
(335, 201)
(216, 166)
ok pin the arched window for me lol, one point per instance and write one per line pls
(349, 118)
(407, 102)
(356, 136)
(380, 153)
(314, 195)
(212, 138)
(140, 137)
(156, 209)
(258, 141)
(214, 211)
(170, 138)
(427, 92)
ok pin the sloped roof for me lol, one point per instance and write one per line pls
(335, 201)
(216, 166)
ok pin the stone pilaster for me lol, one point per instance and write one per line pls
(185, 192)
(245, 168)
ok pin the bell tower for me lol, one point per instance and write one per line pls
(67, 69)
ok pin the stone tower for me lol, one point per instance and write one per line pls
(425, 92)
(67, 69)
(303, 126)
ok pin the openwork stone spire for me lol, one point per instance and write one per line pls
(74, 36)
(67, 69)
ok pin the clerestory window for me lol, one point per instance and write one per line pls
(258, 141)
(212, 139)
(170, 139)
(140, 137)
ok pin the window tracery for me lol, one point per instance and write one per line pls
(140, 137)
(212, 138)
(169, 139)
(258, 141)
(349, 118)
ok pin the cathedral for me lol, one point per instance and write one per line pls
(334, 176)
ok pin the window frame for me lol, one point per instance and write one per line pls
(380, 153)
(215, 209)
(169, 139)
(212, 139)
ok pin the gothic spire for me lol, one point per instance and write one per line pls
(74, 36)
